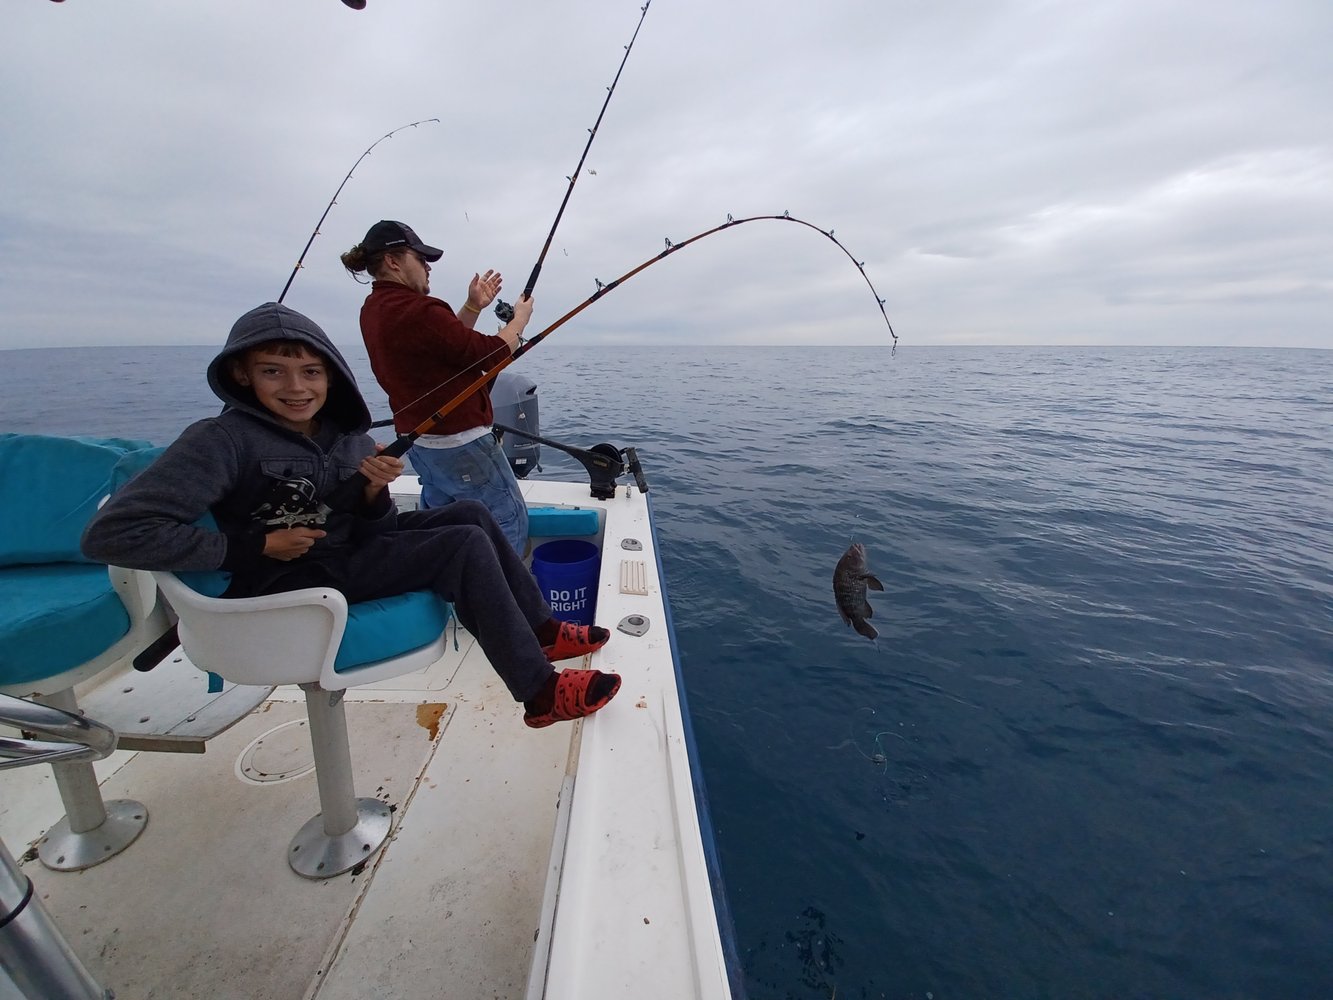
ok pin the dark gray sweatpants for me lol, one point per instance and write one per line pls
(460, 552)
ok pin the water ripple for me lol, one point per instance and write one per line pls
(1090, 754)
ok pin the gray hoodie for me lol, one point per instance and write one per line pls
(229, 465)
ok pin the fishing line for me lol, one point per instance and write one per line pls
(503, 309)
(880, 759)
(334, 200)
(400, 446)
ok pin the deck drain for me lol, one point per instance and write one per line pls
(280, 754)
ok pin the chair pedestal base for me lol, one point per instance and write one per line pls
(347, 830)
(92, 831)
(315, 854)
(65, 850)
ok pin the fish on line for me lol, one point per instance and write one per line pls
(851, 579)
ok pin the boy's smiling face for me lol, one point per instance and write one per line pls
(293, 388)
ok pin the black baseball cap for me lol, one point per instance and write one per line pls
(386, 235)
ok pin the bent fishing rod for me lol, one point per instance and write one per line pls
(503, 309)
(346, 490)
(334, 200)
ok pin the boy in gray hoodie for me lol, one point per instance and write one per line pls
(293, 426)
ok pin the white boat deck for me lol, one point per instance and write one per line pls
(469, 898)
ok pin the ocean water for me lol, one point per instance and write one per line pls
(1090, 754)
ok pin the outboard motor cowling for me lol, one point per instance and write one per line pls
(514, 399)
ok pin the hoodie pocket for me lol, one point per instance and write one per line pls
(296, 467)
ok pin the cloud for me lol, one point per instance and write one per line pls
(1016, 171)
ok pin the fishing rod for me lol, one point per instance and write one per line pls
(347, 490)
(334, 200)
(603, 289)
(503, 309)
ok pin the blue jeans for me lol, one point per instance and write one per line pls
(478, 471)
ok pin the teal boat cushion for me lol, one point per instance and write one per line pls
(391, 626)
(132, 463)
(549, 522)
(49, 489)
(54, 618)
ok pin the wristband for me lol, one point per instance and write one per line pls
(471, 308)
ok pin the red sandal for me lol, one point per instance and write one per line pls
(573, 641)
(573, 699)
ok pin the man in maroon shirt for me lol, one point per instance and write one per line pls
(423, 354)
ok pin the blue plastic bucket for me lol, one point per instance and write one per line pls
(566, 571)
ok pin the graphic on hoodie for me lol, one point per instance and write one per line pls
(292, 502)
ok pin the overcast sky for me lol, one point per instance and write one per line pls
(1010, 171)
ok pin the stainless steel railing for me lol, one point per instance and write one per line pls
(35, 959)
(73, 738)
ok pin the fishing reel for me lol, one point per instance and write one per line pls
(504, 310)
(291, 502)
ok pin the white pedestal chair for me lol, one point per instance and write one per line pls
(312, 638)
(64, 619)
